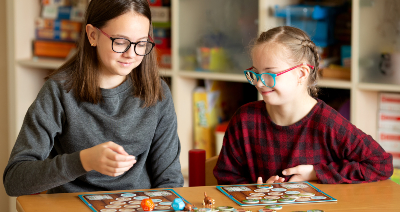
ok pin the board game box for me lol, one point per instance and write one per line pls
(275, 193)
(130, 201)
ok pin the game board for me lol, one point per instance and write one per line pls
(275, 193)
(130, 201)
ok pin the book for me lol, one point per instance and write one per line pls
(76, 3)
(63, 12)
(390, 141)
(162, 43)
(389, 101)
(43, 23)
(160, 14)
(57, 35)
(205, 119)
(164, 57)
(56, 2)
(162, 32)
(42, 48)
(212, 104)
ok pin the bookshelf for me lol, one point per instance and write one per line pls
(26, 74)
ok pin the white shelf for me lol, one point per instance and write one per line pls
(44, 63)
(379, 87)
(334, 83)
(213, 76)
(165, 72)
(50, 63)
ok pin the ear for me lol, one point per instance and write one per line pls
(91, 33)
(303, 73)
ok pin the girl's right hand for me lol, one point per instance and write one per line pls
(107, 158)
(273, 179)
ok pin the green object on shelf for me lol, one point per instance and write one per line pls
(396, 175)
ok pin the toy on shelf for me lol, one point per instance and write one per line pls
(147, 204)
(178, 204)
(208, 202)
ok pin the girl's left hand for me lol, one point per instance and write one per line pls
(301, 173)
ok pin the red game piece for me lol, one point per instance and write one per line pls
(147, 204)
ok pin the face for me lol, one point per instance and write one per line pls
(115, 66)
(272, 58)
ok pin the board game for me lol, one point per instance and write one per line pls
(130, 201)
(275, 193)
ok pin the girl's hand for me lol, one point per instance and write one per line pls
(273, 179)
(107, 158)
(301, 173)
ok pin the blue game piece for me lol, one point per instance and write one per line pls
(178, 204)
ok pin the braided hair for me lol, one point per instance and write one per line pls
(301, 48)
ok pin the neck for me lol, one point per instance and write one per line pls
(292, 112)
(110, 82)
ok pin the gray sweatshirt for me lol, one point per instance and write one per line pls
(57, 127)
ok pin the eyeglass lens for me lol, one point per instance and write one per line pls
(141, 48)
(252, 78)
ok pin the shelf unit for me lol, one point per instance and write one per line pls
(26, 74)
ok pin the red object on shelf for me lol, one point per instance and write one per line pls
(197, 167)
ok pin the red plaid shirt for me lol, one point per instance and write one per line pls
(255, 147)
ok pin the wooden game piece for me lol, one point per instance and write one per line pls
(208, 202)
(225, 208)
(178, 204)
(189, 207)
(147, 204)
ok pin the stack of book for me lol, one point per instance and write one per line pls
(161, 19)
(58, 28)
(389, 125)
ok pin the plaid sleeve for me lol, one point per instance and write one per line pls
(360, 159)
(230, 167)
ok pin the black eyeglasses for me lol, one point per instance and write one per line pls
(121, 45)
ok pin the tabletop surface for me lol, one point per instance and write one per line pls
(376, 196)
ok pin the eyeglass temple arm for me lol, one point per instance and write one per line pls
(151, 39)
(294, 68)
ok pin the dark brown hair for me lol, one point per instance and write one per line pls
(300, 47)
(80, 73)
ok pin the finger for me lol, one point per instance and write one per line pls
(259, 180)
(280, 180)
(114, 156)
(116, 148)
(117, 170)
(272, 179)
(290, 171)
(119, 164)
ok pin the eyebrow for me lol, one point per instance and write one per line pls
(265, 69)
(123, 36)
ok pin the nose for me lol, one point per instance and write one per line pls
(130, 53)
(259, 83)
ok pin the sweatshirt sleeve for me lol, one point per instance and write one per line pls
(165, 148)
(360, 159)
(231, 167)
(30, 169)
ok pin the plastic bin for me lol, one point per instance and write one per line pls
(316, 21)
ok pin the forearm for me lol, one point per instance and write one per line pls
(29, 177)
(374, 169)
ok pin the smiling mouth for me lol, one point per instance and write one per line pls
(267, 92)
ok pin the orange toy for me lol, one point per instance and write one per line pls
(147, 204)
